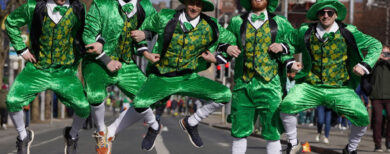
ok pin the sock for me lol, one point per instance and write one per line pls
(290, 126)
(76, 126)
(126, 118)
(355, 136)
(18, 120)
(239, 145)
(150, 119)
(98, 117)
(274, 147)
(203, 113)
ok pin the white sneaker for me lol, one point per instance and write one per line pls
(325, 140)
(4, 126)
(318, 137)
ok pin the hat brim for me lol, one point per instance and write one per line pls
(207, 5)
(341, 10)
(272, 5)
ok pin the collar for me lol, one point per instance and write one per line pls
(258, 23)
(134, 2)
(321, 31)
(50, 5)
(183, 19)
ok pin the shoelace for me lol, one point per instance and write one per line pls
(100, 140)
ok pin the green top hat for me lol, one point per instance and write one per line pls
(321, 4)
(207, 5)
(272, 4)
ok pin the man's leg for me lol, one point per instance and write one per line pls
(377, 109)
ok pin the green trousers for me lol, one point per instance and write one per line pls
(343, 101)
(156, 88)
(257, 97)
(97, 77)
(63, 82)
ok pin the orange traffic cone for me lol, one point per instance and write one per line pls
(306, 147)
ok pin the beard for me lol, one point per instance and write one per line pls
(258, 6)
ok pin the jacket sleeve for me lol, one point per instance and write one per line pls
(369, 44)
(151, 23)
(18, 18)
(93, 24)
(225, 37)
(285, 32)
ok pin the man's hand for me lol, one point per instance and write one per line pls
(358, 70)
(29, 57)
(296, 66)
(233, 51)
(275, 47)
(95, 48)
(114, 65)
(209, 57)
(138, 35)
(152, 57)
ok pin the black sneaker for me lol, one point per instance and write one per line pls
(296, 149)
(149, 140)
(70, 144)
(192, 132)
(23, 146)
(345, 151)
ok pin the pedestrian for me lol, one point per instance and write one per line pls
(380, 98)
(27, 115)
(324, 118)
(187, 39)
(109, 61)
(3, 107)
(56, 48)
(332, 66)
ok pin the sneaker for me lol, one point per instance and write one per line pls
(4, 126)
(70, 144)
(149, 140)
(378, 150)
(296, 149)
(345, 151)
(109, 142)
(23, 146)
(318, 137)
(325, 140)
(101, 143)
(192, 132)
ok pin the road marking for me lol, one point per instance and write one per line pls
(47, 141)
(223, 144)
(160, 146)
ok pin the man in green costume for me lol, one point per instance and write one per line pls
(56, 47)
(186, 40)
(108, 33)
(332, 66)
(260, 71)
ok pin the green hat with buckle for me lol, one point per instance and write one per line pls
(339, 7)
(207, 5)
(272, 4)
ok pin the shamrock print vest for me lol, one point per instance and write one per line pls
(329, 61)
(257, 58)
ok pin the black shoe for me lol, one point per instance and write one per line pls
(192, 132)
(70, 144)
(296, 149)
(23, 146)
(345, 151)
(149, 140)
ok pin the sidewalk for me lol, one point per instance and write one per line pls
(337, 138)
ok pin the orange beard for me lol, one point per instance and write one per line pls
(259, 6)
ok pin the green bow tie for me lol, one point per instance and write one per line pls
(255, 17)
(127, 8)
(188, 26)
(328, 36)
(61, 9)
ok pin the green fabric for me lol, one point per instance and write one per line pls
(271, 7)
(257, 57)
(156, 88)
(329, 61)
(188, 26)
(185, 49)
(128, 7)
(56, 42)
(32, 81)
(104, 18)
(258, 96)
(128, 79)
(284, 30)
(255, 17)
(61, 9)
(125, 48)
(207, 5)
(322, 4)
(157, 23)
(363, 41)
(342, 100)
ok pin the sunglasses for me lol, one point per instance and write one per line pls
(322, 13)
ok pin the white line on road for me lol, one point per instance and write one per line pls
(223, 144)
(160, 146)
(47, 141)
